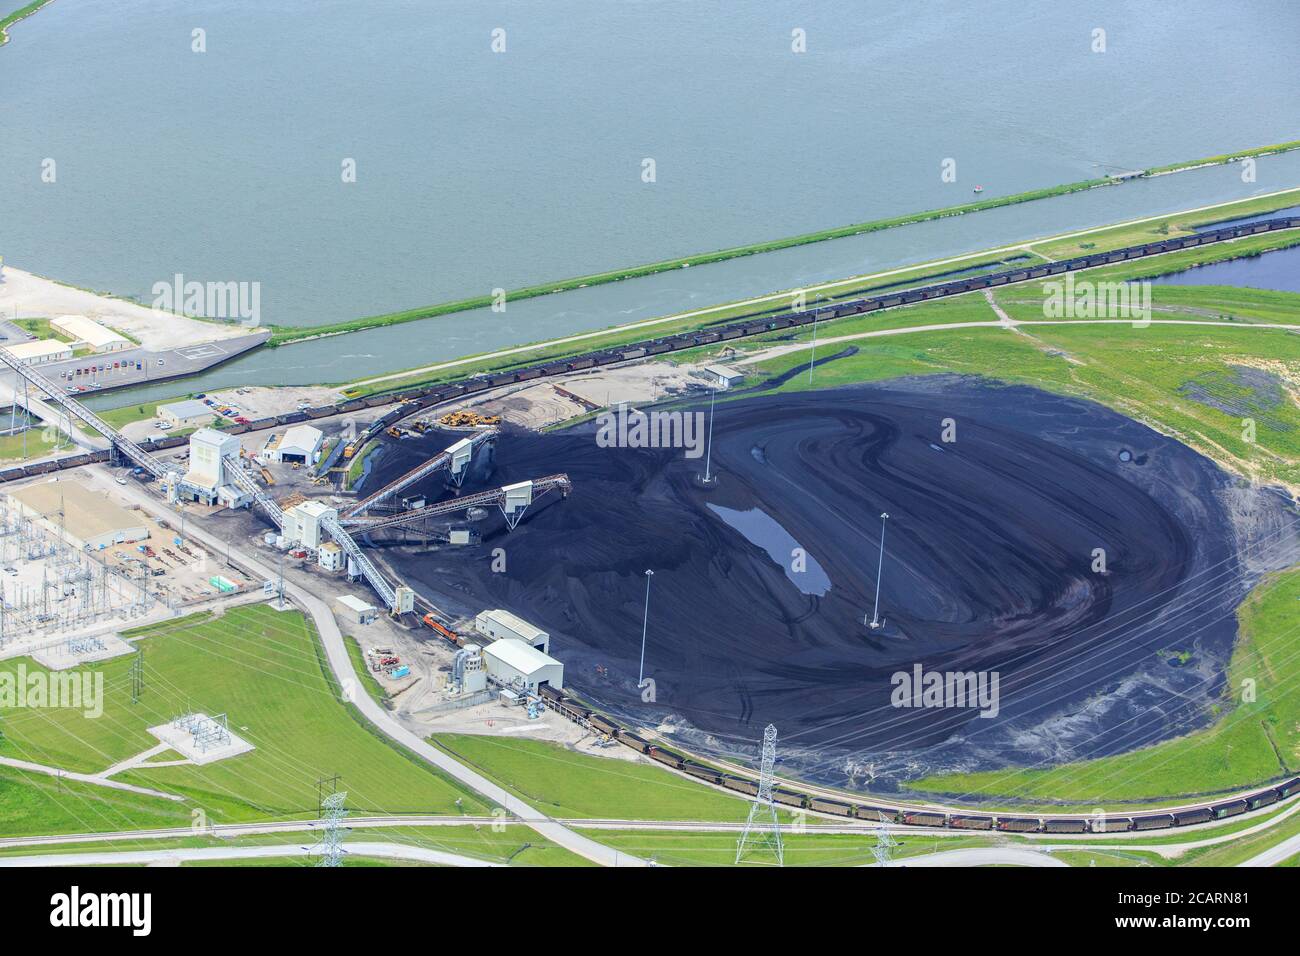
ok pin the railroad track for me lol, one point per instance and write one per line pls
(758, 323)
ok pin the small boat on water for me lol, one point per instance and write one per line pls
(979, 189)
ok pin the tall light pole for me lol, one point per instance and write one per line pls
(875, 621)
(813, 359)
(708, 454)
(645, 620)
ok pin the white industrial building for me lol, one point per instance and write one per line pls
(356, 609)
(518, 665)
(206, 479)
(302, 523)
(301, 443)
(187, 414)
(724, 377)
(84, 331)
(501, 625)
(40, 352)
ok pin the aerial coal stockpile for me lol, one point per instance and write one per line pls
(1057, 581)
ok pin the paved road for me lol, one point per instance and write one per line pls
(392, 851)
(1275, 854)
(992, 856)
(97, 779)
(339, 661)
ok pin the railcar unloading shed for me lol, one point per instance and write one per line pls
(516, 664)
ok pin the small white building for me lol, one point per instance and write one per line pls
(301, 443)
(84, 331)
(40, 352)
(330, 557)
(187, 414)
(501, 625)
(355, 609)
(723, 377)
(302, 523)
(516, 664)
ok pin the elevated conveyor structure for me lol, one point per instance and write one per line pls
(374, 577)
(455, 459)
(59, 398)
(512, 500)
(233, 470)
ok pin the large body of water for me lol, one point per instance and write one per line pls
(478, 169)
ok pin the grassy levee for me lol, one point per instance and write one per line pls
(283, 335)
(22, 13)
(266, 671)
(1225, 158)
(1114, 237)
(570, 785)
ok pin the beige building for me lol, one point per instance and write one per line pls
(87, 332)
(187, 414)
(40, 352)
(87, 517)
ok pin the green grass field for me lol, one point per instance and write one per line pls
(800, 849)
(264, 669)
(37, 443)
(571, 785)
(36, 803)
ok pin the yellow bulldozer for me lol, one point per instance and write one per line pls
(466, 418)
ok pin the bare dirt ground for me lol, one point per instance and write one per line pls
(33, 296)
(548, 403)
(261, 401)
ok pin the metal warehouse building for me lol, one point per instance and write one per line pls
(188, 414)
(88, 332)
(516, 664)
(501, 625)
(301, 443)
(87, 517)
(40, 352)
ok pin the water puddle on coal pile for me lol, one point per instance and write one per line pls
(761, 529)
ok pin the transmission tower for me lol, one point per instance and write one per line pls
(885, 843)
(762, 828)
(137, 675)
(329, 850)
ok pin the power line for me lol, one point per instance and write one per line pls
(330, 850)
(762, 828)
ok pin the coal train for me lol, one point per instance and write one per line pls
(757, 323)
(575, 710)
